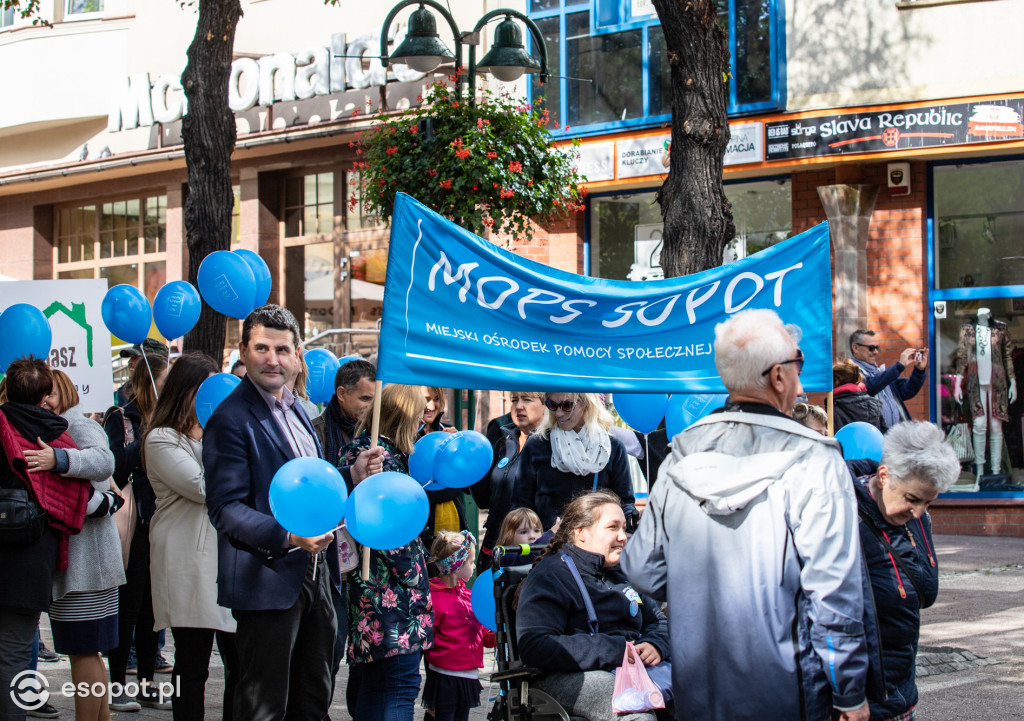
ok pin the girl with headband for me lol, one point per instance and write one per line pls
(454, 662)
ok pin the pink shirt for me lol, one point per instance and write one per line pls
(459, 639)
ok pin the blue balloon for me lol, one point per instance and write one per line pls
(126, 313)
(321, 367)
(685, 409)
(211, 392)
(860, 440)
(176, 309)
(642, 411)
(227, 284)
(387, 510)
(25, 332)
(421, 461)
(260, 273)
(307, 496)
(463, 459)
(481, 599)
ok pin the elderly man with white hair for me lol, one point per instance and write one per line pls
(751, 536)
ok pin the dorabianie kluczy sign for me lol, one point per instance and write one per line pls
(883, 130)
(461, 312)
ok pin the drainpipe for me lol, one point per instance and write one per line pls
(848, 208)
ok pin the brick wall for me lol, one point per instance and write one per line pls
(897, 253)
(979, 517)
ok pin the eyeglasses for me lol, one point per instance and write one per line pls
(799, 360)
(872, 348)
(564, 406)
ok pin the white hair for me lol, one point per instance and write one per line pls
(750, 342)
(918, 449)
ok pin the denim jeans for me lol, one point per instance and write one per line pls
(385, 690)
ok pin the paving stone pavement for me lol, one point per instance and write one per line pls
(970, 662)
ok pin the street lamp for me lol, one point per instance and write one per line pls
(422, 49)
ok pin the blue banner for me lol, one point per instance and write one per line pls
(460, 312)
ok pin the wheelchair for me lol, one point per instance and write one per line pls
(517, 700)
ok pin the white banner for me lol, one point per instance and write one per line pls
(81, 342)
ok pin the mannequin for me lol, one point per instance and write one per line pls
(985, 373)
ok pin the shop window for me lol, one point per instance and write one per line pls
(626, 230)
(76, 9)
(111, 239)
(356, 216)
(7, 16)
(979, 221)
(610, 65)
(978, 266)
(309, 205)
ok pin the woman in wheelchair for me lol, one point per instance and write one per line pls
(554, 627)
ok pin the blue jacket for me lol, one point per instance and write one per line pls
(242, 449)
(902, 389)
(897, 605)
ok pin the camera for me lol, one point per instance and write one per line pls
(918, 355)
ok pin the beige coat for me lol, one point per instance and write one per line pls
(183, 542)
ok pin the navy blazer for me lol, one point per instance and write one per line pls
(243, 447)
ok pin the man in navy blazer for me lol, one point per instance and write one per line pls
(275, 582)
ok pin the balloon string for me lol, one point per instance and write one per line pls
(647, 458)
(152, 380)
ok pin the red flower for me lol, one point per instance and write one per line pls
(462, 154)
(446, 184)
(392, 150)
(475, 187)
(414, 129)
(492, 155)
(515, 167)
(507, 193)
(355, 112)
(431, 172)
(489, 222)
(419, 98)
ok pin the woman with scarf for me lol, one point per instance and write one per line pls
(572, 452)
(30, 553)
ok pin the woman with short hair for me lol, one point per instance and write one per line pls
(56, 506)
(553, 625)
(494, 491)
(572, 451)
(896, 539)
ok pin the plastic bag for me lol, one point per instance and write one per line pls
(634, 691)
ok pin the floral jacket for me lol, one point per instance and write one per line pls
(389, 614)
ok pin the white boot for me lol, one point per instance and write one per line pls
(979, 452)
(995, 449)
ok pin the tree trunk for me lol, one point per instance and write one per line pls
(208, 131)
(696, 213)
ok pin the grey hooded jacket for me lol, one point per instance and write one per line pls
(751, 536)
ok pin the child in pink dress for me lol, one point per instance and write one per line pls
(453, 687)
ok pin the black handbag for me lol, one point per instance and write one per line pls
(22, 520)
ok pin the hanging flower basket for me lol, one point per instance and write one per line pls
(488, 166)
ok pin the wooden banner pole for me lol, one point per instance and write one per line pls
(374, 433)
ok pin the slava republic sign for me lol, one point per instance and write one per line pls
(461, 312)
(81, 342)
(139, 101)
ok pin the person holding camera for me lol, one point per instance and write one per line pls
(888, 384)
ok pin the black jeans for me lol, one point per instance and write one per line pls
(285, 656)
(17, 633)
(192, 649)
(135, 613)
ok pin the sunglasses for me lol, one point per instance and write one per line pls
(872, 348)
(799, 360)
(564, 406)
